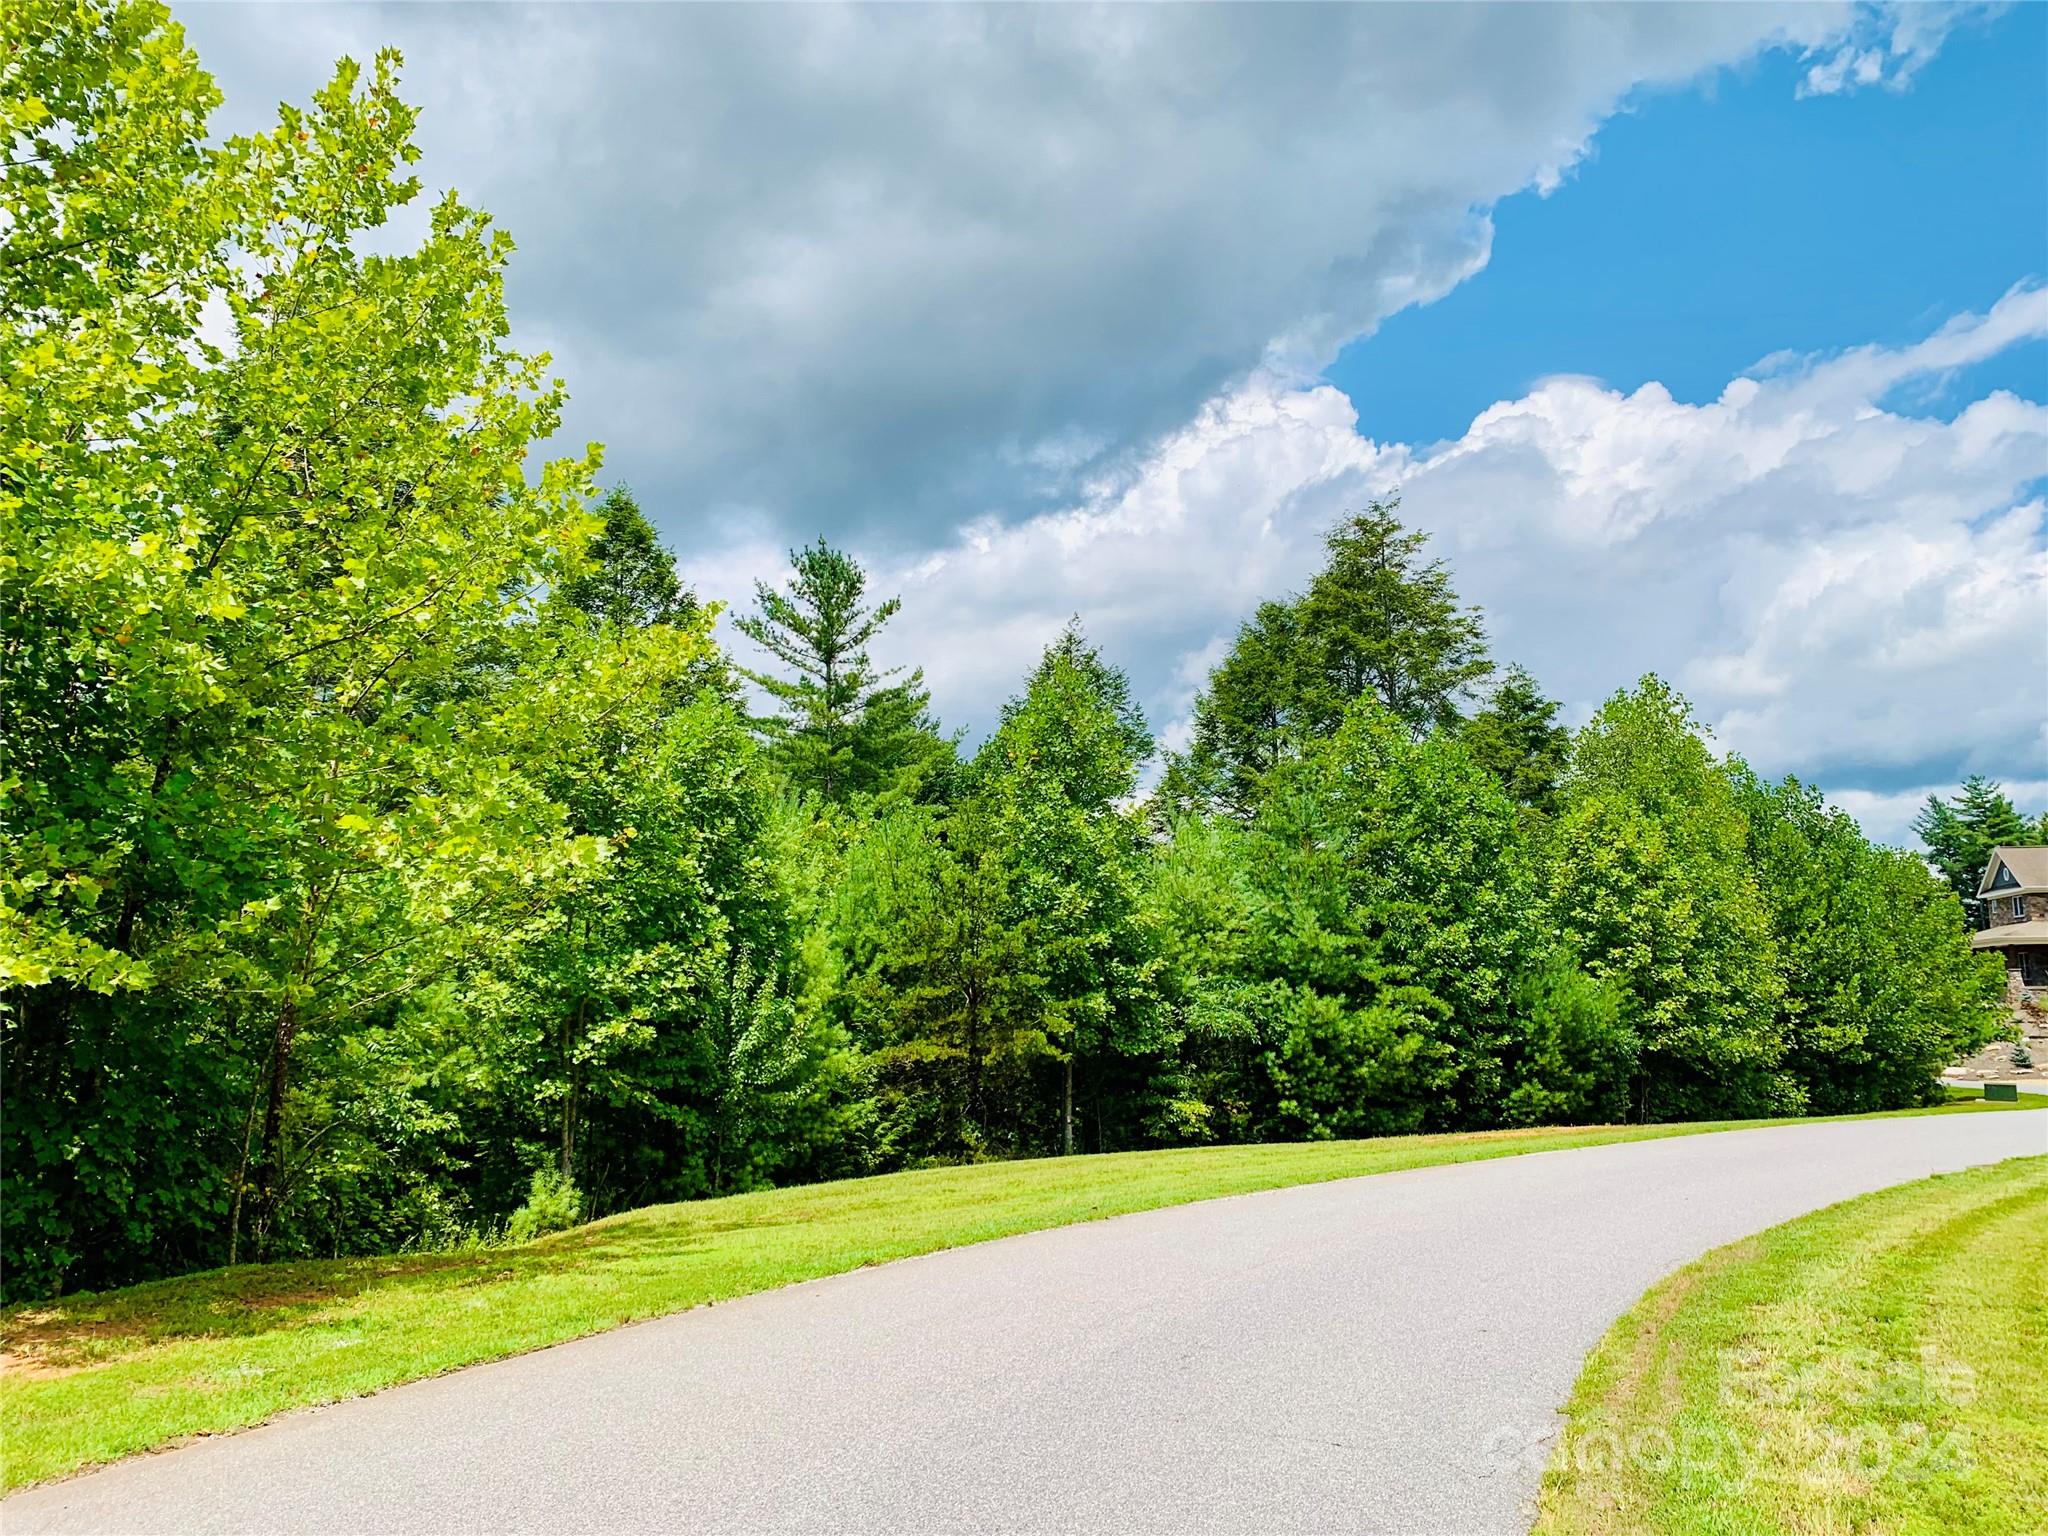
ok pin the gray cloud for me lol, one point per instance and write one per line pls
(879, 272)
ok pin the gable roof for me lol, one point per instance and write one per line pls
(2029, 867)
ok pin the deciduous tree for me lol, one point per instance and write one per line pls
(1649, 884)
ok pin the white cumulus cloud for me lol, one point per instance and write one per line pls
(1847, 590)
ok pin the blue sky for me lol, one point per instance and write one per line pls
(1712, 227)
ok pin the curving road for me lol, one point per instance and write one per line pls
(1380, 1354)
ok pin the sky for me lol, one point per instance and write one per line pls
(1708, 340)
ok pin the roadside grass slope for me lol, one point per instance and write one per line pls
(1874, 1367)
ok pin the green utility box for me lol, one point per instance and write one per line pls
(2002, 1093)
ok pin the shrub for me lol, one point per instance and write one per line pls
(1573, 1053)
(553, 1204)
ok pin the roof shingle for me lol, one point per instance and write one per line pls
(2029, 866)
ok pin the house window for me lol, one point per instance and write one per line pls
(2034, 967)
(2017, 907)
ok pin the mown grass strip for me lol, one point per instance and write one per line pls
(92, 1378)
(1874, 1367)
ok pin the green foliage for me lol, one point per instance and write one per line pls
(643, 1020)
(630, 579)
(1255, 715)
(1054, 781)
(845, 728)
(1517, 739)
(553, 1204)
(1571, 1055)
(1649, 884)
(1880, 988)
(939, 982)
(1378, 621)
(379, 825)
(1961, 832)
(1312, 1029)
(240, 580)
(294, 730)
(1438, 856)
(1384, 623)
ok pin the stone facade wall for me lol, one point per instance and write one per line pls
(1999, 909)
(2014, 987)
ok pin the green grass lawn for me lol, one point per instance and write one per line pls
(1874, 1367)
(94, 1377)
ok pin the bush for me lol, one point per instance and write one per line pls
(1573, 1052)
(553, 1204)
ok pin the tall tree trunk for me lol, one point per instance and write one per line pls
(270, 1168)
(242, 1169)
(973, 1057)
(572, 1034)
(568, 1159)
(131, 900)
(1067, 1134)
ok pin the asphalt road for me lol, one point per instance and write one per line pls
(1381, 1354)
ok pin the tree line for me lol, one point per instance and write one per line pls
(394, 856)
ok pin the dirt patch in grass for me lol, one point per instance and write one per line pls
(39, 1334)
(303, 1296)
(1655, 1346)
(33, 1368)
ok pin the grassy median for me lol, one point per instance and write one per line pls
(1874, 1367)
(91, 1378)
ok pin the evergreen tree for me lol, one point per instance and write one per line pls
(1650, 885)
(1249, 720)
(1377, 621)
(1297, 1022)
(845, 727)
(631, 576)
(1381, 620)
(1517, 738)
(1436, 860)
(1880, 987)
(1961, 832)
(937, 983)
(1054, 780)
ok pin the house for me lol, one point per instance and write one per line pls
(2014, 892)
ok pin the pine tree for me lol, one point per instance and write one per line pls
(1249, 720)
(846, 726)
(1378, 620)
(1054, 779)
(1517, 738)
(631, 578)
(1961, 832)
